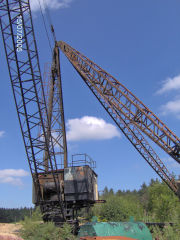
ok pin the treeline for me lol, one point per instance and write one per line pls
(10, 215)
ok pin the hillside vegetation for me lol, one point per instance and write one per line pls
(153, 203)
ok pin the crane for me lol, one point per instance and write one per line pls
(42, 122)
(26, 80)
(129, 113)
(58, 188)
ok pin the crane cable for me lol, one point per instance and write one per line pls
(49, 20)
(44, 22)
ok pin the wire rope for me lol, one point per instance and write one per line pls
(49, 20)
(44, 22)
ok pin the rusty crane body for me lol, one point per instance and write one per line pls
(61, 189)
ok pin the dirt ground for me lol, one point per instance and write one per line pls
(9, 231)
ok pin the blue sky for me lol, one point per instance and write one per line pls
(136, 41)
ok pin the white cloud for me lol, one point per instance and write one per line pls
(90, 128)
(13, 176)
(51, 4)
(2, 133)
(171, 107)
(170, 84)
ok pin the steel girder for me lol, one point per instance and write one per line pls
(129, 113)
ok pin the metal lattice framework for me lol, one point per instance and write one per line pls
(129, 113)
(23, 64)
(54, 100)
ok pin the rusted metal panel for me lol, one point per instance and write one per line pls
(47, 186)
(95, 188)
(80, 183)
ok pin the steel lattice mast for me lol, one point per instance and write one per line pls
(54, 101)
(129, 113)
(24, 69)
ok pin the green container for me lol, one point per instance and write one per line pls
(136, 230)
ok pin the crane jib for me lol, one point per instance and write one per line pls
(129, 113)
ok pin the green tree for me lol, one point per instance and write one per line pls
(120, 209)
(111, 191)
(105, 192)
(162, 202)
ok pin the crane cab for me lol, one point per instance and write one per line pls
(78, 185)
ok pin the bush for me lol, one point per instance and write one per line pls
(39, 231)
(162, 202)
(34, 229)
(65, 233)
(120, 209)
(167, 233)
